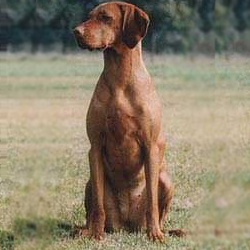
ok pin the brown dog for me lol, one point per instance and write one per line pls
(129, 186)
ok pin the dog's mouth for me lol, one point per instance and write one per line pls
(90, 48)
(83, 45)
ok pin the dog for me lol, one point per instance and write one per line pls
(129, 186)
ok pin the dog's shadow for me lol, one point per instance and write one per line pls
(48, 229)
(6, 240)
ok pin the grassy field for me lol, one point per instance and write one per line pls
(44, 166)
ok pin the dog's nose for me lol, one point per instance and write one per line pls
(78, 31)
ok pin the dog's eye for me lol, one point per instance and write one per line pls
(105, 18)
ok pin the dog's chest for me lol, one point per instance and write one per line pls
(123, 150)
(121, 117)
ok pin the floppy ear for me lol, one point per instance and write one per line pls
(135, 25)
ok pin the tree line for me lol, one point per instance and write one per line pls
(177, 26)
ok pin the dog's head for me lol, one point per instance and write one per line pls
(110, 24)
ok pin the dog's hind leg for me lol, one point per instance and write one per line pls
(111, 207)
(165, 194)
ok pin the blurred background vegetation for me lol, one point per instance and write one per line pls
(177, 26)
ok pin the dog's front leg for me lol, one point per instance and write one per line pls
(152, 164)
(97, 215)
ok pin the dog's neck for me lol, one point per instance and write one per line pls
(121, 64)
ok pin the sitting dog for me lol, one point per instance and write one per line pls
(129, 186)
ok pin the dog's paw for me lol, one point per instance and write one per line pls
(83, 232)
(96, 228)
(96, 234)
(79, 232)
(155, 234)
(177, 233)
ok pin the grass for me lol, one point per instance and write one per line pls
(44, 166)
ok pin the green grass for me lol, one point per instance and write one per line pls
(44, 166)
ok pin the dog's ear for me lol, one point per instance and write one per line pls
(135, 25)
